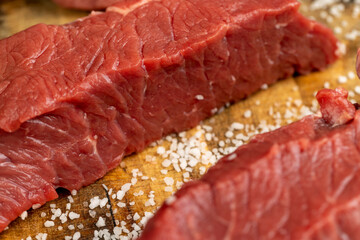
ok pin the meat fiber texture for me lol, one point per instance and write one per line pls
(90, 4)
(75, 99)
(298, 182)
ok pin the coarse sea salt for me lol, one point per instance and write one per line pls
(169, 181)
(24, 215)
(247, 114)
(94, 202)
(49, 224)
(73, 215)
(76, 236)
(100, 222)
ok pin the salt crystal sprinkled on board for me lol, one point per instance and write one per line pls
(49, 224)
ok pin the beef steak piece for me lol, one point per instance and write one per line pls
(298, 182)
(75, 99)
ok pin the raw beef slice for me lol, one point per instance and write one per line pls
(75, 99)
(298, 182)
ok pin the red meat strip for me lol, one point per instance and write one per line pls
(335, 108)
(298, 182)
(75, 99)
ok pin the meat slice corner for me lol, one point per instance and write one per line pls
(298, 182)
(334, 106)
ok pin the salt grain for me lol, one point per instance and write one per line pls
(199, 97)
(120, 195)
(169, 181)
(232, 157)
(342, 79)
(166, 163)
(41, 236)
(117, 231)
(351, 75)
(264, 86)
(36, 206)
(150, 202)
(71, 199)
(100, 222)
(68, 206)
(341, 49)
(94, 202)
(92, 213)
(126, 187)
(57, 212)
(237, 126)
(357, 89)
(24, 215)
(49, 224)
(121, 204)
(63, 218)
(76, 236)
(103, 202)
(247, 114)
(229, 134)
(136, 217)
(160, 150)
(73, 215)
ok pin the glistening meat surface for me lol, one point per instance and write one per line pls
(298, 182)
(75, 99)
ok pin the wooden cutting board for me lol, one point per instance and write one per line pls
(286, 99)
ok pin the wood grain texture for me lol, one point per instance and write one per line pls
(19, 14)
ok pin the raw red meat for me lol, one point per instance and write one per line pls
(298, 182)
(89, 4)
(75, 99)
(335, 108)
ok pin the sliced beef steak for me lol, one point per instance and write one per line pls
(89, 4)
(298, 182)
(75, 99)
